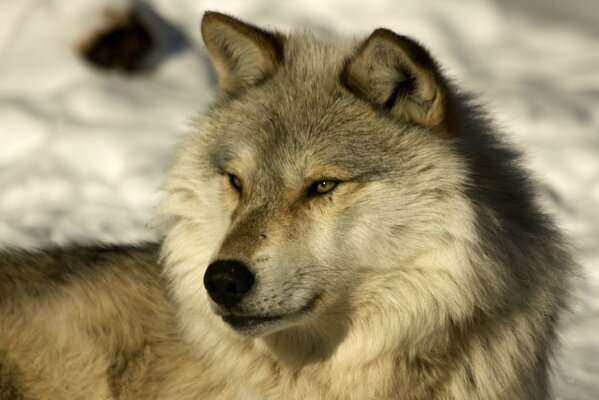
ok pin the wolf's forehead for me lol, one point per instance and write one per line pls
(309, 139)
(303, 118)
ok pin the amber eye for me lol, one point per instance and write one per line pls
(322, 186)
(235, 182)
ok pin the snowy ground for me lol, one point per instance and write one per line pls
(83, 152)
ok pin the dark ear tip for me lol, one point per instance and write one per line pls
(383, 33)
(209, 15)
(207, 18)
(214, 16)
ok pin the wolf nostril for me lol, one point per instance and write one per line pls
(227, 281)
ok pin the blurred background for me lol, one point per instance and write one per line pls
(95, 96)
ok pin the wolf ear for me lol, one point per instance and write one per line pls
(396, 73)
(243, 55)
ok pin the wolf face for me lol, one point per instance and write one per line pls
(319, 164)
(341, 206)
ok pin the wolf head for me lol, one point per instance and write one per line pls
(320, 169)
(327, 191)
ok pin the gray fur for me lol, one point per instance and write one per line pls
(429, 272)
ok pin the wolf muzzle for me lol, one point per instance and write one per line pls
(228, 281)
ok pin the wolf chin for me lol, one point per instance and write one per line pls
(342, 223)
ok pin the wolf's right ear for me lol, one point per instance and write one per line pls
(395, 73)
(243, 55)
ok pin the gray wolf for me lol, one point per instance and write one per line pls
(342, 223)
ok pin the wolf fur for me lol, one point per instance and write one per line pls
(397, 245)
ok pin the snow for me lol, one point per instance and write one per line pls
(83, 152)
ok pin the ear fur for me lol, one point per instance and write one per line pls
(242, 54)
(396, 73)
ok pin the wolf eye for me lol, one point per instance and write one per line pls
(322, 186)
(235, 182)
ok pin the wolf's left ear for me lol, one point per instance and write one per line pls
(243, 55)
(396, 73)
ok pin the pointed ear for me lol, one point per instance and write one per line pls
(243, 55)
(396, 73)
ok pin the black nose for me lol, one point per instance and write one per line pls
(227, 281)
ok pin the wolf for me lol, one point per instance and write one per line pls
(342, 223)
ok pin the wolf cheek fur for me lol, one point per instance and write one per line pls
(395, 246)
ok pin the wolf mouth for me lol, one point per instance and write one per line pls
(240, 322)
(244, 322)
